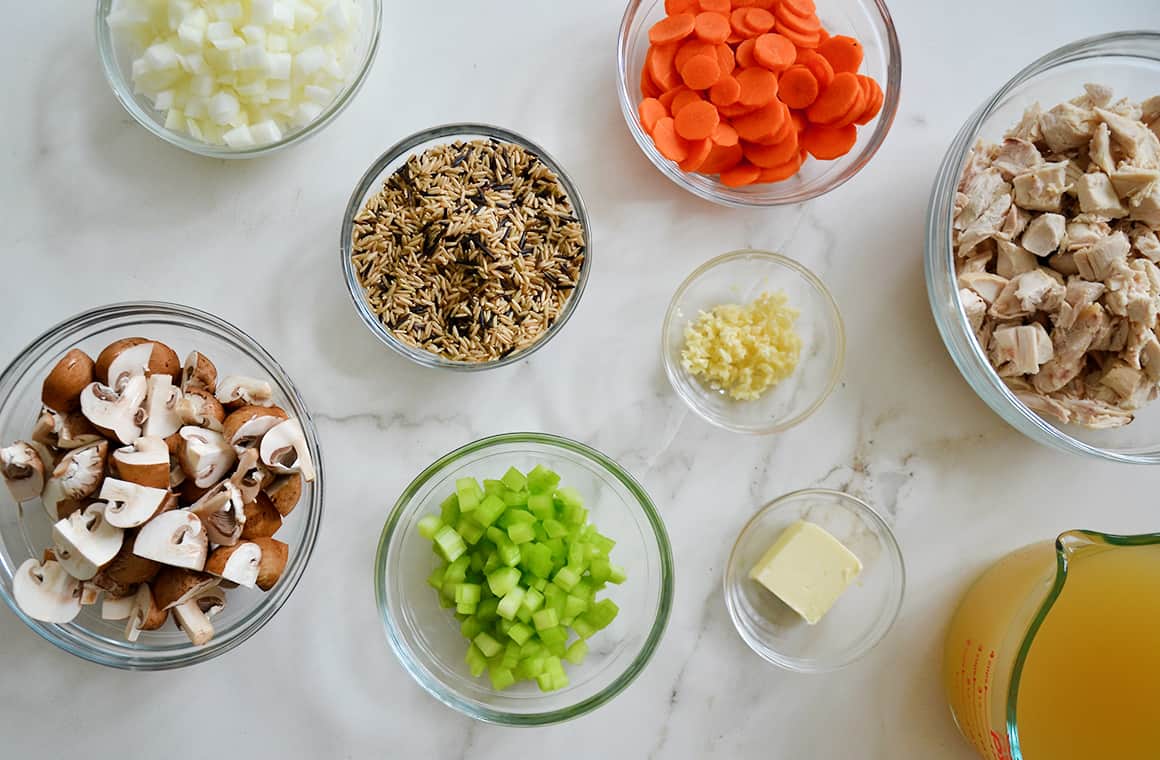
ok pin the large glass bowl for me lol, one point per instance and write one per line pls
(26, 531)
(1129, 62)
(868, 20)
(372, 182)
(426, 637)
(117, 61)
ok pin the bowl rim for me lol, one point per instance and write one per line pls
(806, 664)
(269, 605)
(374, 176)
(123, 91)
(673, 370)
(499, 717)
(954, 329)
(738, 198)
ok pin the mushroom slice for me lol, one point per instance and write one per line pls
(61, 391)
(161, 399)
(201, 408)
(135, 357)
(204, 455)
(238, 563)
(90, 593)
(131, 504)
(222, 512)
(285, 492)
(117, 607)
(179, 590)
(174, 538)
(262, 518)
(284, 449)
(145, 614)
(23, 471)
(176, 474)
(77, 476)
(274, 555)
(244, 427)
(118, 414)
(235, 391)
(85, 540)
(198, 372)
(64, 431)
(45, 592)
(144, 462)
(249, 475)
(125, 570)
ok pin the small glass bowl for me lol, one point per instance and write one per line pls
(117, 61)
(25, 530)
(868, 20)
(390, 162)
(858, 620)
(1129, 62)
(426, 637)
(739, 277)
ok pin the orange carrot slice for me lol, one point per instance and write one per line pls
(701, 72)
(806, 23)
(799, 120)
(844, 53)
(778, 135)
(712, 27)
(797, 87)
(725, 92)
(740, 175)
(769, 156)
(875, 98)
(800, 7)
(783, 171)
(692, 48)
(667, 97)
(744, 54)
(721, 158)
(758, 86)
(725, 135)
(696, 121)
(660, 60)
(672, 28)
(716, 6)
(861, 98)
(699, 150)
(735, 110)
(651, 111)
(758, 20)
(761, 123)
(835, 100)
(817, 65)
(774, 52)
(671, 145)
(798, 38)
(726, 60)
(737, 22)
(648, 88)
(827, 143)
(673, 7)
(684, 98)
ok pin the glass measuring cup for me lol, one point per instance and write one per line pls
(1051, 654)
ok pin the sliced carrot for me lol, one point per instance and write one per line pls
(648, 88)
(673, 7)
(761, 123)
(844, 53)
(684, 98)
(660, 60)
(672, 28)
(784, 171)
(716, 6)
(875, 98)
(768, 156)
(744, 3)
(778, 135)
(758, 20)
(744, 54)
(726, 60)
(828, 143)
(855, 110)
(696, 121)
(797, 38)
(835, 100)
(726, 91)
(722, 157)
(651, 111)
(691, 48)
(671, 145)
(734, 110)
(741, 175)
(667, 97)
(774, 52)
(758, 86)
(807, 23)
(801, 7)
(701, 72)
(712, 27)
(725, 135)
(737, 22)
(699, 150)
(799, 120)
(817, 65)
(823, 35)
(797, 87)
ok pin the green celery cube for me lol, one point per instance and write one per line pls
(545, 618)
(469, 493)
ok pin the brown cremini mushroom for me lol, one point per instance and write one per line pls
(117, 414)
(204, 455)
(235, 392)
(238, 563)
(222, 513)
(45, 592)
(285, 491)
(274, 556)
(174, 538)
(244, 427)
(78, 475)
(130, 504)
(23, 471)
(198, 372)
(200, 408)
(262, 518)
(145, 614)
(61, 391)
(144, 462)
(85, 540)
(132, 357)
(284, 449)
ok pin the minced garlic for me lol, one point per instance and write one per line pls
(743, 350)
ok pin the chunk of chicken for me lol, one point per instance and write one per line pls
(1083, 234)
(986, 226)
(1079, 294)
(1136, 348)
(1044, 234)
(1026, 294)
(1014, 223)
(1095, 95)
(1123, 380)
(1097, 196)
(1070, 346)
(1028, 126)
(1020, 350)
(1042, 188)
(1145, 242)
(1113, 335)
(1130, 181)
(1094, 415)
(987, 285)
(1095, 262)
(1150, 109)
(1141, 146)
(1145, 206)
(1148, 357)
(1017, 157)
(1064, 263)
(1100, 150)
(974, 307)
(1013, 259)
(979, 191)
(1067, 126)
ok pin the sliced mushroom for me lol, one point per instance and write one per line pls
(222, 512)
(238, 563)
(67, 431)
(176, 474)
(77, 476)
(23, 471)
(244, 427)
(131, 504)
(204, 455)
(284, 449)
(135, 357)
(199, 407)
(236, 391)
(262, 518)
(90, 594)
(144, 462)
(249, 475)
(179, 591)
(68, 507)
(45, 592)
(285, 492)
(175, 538)
(117, 414)
(161, 399)
(117, 607)
(126, 570)
(84, 541)
(61, 391)
(145, 615)
(198, 372)
(274, 556)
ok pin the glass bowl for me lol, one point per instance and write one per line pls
(25, 532)
(868, 20)
(117, 60)
(390, 162)
(858, 620)
(426, 637)
(740, 277)
(1129, 62)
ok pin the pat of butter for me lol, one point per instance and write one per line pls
(808, 569)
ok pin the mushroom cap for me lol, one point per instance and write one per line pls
(198, 372)
(175, 585)
(262, 518)
(284, 449)
(61, 391)
(245, 426)
(236, 391)
(23, 470)
(161, 399)
(76, 477)
(45, 592)
(126, 569)
(199, 407)
(117, 414)
(249, 475)
(145, 615)
(274, 556)
(285, 492)
(144, 462)
(74, 431)
(131, 504)
(222, 512)
(86, 535)
(238, 563)
(204, 455)
(147, 357)
(175, 538)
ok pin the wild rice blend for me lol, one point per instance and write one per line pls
(470, 251)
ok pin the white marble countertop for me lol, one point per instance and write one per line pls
(96, 210)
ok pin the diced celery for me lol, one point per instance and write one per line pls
(566, 578)
(465, 608)
(600, 569)
(603, 613)
(542, 479)
(489, 510)
(545, 618)
(493, 487)
(540, 505)
(487, 610)
(456, 572)
(501, 678)
(469, 493)
(521, 533)
(533, 600)
(508, 552)
(584, 590)
(539, 584)
(570, 498)
(555, 529)
(492, 562)
(515, 480)
(545, 681)
(469, 529)
(511, 655)
(502, 627)
(446, 603)
(514, 498)
(566, 622)
(471, 627)
(574, 605)
(477, 562)
(503, 580)
(555, 640)
(537, 559)
(583, 628)
(450, 543)
(448, 590)
(428, 526)
(520, 633)
(487, 645)
(530, 667)
(523, 615)
(510, 604)
(603, 544)
(574, 516)
(617, 575)
(449, 510)
(578, 557)
(475, 660)
(467, 593)
(435, 579)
